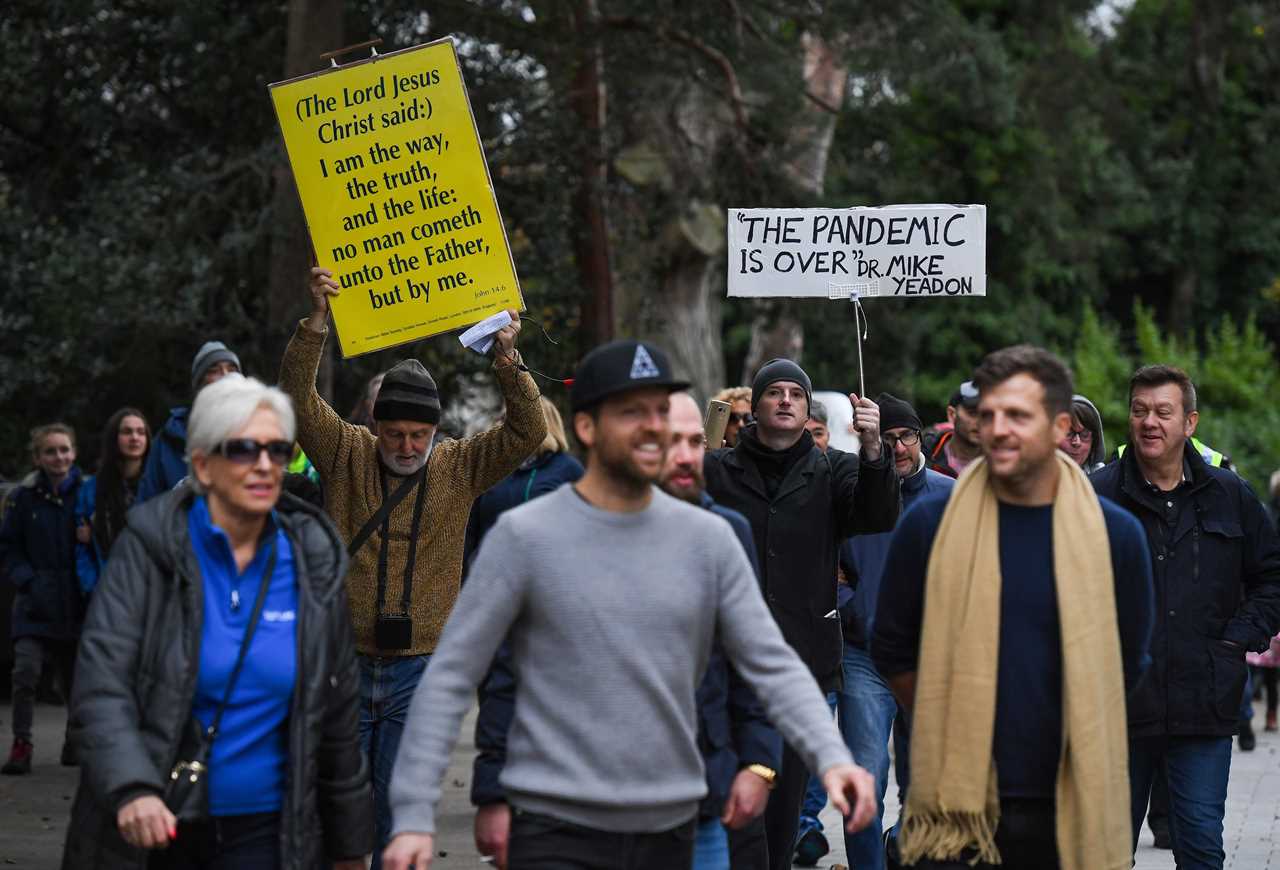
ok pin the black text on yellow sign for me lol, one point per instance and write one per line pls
(397, 196)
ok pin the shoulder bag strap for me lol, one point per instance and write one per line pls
(384, 510)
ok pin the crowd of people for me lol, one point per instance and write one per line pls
(268, 621)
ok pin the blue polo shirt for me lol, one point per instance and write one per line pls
(249, 761)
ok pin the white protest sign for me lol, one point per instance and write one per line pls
(896, 251)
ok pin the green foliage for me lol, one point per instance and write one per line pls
(1125, 173)
(1233, 368)
(1102, 366)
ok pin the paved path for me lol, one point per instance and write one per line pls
(34, 809)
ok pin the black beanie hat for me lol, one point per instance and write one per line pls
(408, 393)
(897, 414)
(779, 370)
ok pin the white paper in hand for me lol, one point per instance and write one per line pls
(480, 337)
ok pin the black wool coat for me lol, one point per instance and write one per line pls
(136, 677)
(824, 499)
(1217, 578)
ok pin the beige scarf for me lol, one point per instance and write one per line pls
(953, 802)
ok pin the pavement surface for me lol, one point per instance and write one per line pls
(34, 809)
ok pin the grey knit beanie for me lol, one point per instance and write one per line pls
(408, 392)
(210, 354)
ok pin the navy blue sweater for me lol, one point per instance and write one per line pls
(1028, 726)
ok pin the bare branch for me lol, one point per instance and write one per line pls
(711, 53)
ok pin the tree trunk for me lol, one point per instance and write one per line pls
(1182, 300)
(825, 78)
(315, 26)
(772, 335)
(591, 238)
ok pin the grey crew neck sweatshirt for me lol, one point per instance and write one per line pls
(611, 618)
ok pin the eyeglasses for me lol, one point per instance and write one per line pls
(741, 419)
(906, 439)
(1079, 436)
(245, 451)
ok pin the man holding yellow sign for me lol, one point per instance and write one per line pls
(401, 507)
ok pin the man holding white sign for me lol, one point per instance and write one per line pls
(801, 504)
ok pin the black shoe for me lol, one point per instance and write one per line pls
(19, 762)
(810, 847)
(891, 860)
(1247, 739)
(69, 756)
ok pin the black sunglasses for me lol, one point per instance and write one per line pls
(740, 419)
(245, 451)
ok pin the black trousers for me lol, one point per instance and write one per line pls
(782, 813)
(748, 847)
(249, 842)
(1026, 838)
(541, 842)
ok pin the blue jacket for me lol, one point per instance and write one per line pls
(1217, 578)
(540, 475)
(732, 728)
(89, 557)
(167, 459)
(862, 558)
(37, 555)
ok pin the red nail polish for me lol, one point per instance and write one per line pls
(173, 832)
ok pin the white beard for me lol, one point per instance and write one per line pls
(398, 467)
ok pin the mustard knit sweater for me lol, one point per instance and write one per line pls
(457, 473)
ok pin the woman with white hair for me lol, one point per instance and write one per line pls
(215, 709)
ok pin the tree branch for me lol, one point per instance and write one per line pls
(711, 53)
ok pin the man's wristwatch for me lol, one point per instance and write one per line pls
(768, 774)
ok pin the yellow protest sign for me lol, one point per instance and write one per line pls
(397, 196)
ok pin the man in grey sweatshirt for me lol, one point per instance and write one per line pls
(611, 592)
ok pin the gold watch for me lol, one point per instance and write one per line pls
(768, 774)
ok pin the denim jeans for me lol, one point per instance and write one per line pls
(541, 842)
(1197, 769)
(386, 689)
(711, 846)
(867, 710)
(249, 842)
(815, 796)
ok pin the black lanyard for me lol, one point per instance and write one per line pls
(420, 503)
(212, 731)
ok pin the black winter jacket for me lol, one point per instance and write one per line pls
(823, 499)
(1217, 578)
(136, 676)
(37, 555)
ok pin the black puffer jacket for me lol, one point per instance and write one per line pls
(136, 676)
(1217, 578)
(822, 500)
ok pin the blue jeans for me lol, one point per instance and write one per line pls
(386, 689)
(815, 796)
(867, 709)
(1197, 769)
(711, 846)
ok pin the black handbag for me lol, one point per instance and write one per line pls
(186, 791)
